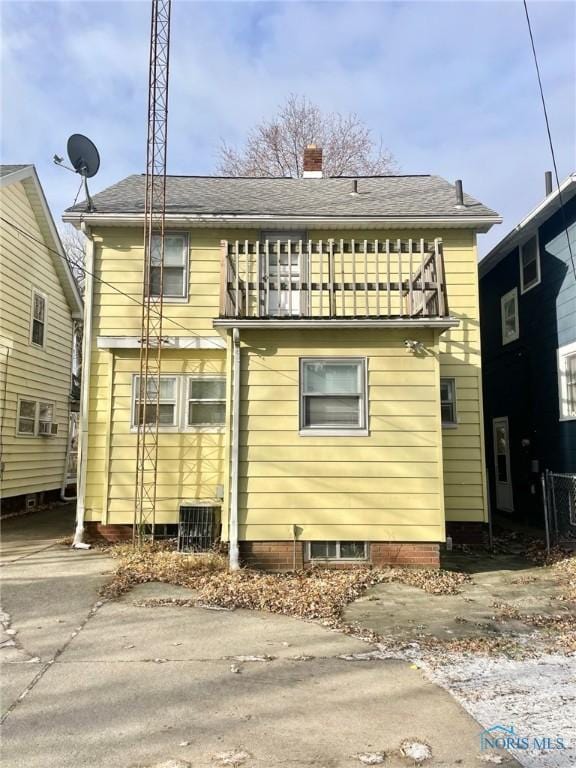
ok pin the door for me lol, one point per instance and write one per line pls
(503, 479)
(283, 270)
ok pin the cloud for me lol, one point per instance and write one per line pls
(450, 87)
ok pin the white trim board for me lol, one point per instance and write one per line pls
(171, 342)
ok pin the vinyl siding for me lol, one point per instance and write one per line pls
(31, 464)
(190, 464)
(404, 408)
(386, 485)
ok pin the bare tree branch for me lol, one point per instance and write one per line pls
(74, 244)
(276, 147)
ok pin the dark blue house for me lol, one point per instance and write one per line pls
(528, 332)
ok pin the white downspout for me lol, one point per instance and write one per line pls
(73, 372)
(78, 542)
(234, 553)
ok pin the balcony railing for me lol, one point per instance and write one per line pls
(333, 279)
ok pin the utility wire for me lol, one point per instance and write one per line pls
(564, 221)
(83, 269)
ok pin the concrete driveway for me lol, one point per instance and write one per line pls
(119, 685)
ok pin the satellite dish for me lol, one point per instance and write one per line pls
(83, 155)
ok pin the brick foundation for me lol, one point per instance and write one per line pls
(279, 555)
(272, 555)
(405, 554)
(111, 533)
(282, 556)
(472, 533)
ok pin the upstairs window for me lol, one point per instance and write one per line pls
(145, 405)
(448, 402)
(333, 394)
(38, 326)
(175, 271)
(206, 401)
(567, 381)
(509, 310)
(529, 264)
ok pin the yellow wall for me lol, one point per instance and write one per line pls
(31, 464)
(383, 486)
(119, 259)
(190, 465)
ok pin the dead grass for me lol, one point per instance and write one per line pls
(311, 594)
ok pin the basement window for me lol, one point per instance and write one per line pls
(175, 269)
(144, 410)
(337, 550)
(206, 401)
(333, 395)
(448, 402)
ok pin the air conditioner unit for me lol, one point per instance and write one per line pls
(197, 528)
(47, 428)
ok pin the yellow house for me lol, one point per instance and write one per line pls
(320, 398)
(39, 302)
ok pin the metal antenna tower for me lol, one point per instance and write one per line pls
(148, 410)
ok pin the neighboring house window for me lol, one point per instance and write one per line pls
(38, 330)
(174, 274)
(509, 309)
(35, 418)
(206, 401)
(529, 264)
(27, 417)
(448, 402)
(567, 381)
(167, 402)
(337, 550)
(333, 395)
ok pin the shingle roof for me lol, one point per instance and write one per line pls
(5, 170)
(379, 196)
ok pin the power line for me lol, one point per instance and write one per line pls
(83, 269)
(564, 221)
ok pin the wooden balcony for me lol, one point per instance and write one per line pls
(315, 280)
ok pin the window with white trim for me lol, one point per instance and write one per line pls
(448, 402)
(333, 394)
(567, 381)
(509, 316)
(175, 266)
(35, 418)
(529, 264)
(337, 550)
(206, 401)
(186, 402)
(38, 324)
(27, 417)
(144, 403)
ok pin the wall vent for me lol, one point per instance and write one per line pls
(197, 528)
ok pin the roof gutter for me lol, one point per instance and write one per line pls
(480, 223)
(549, 205)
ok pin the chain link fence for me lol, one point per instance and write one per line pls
(560, 506)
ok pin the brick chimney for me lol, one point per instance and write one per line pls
(312, 162)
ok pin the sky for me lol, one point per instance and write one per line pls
(449, 87)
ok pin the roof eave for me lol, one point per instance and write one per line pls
(33, 187)
(534, 219)
(478, 223)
